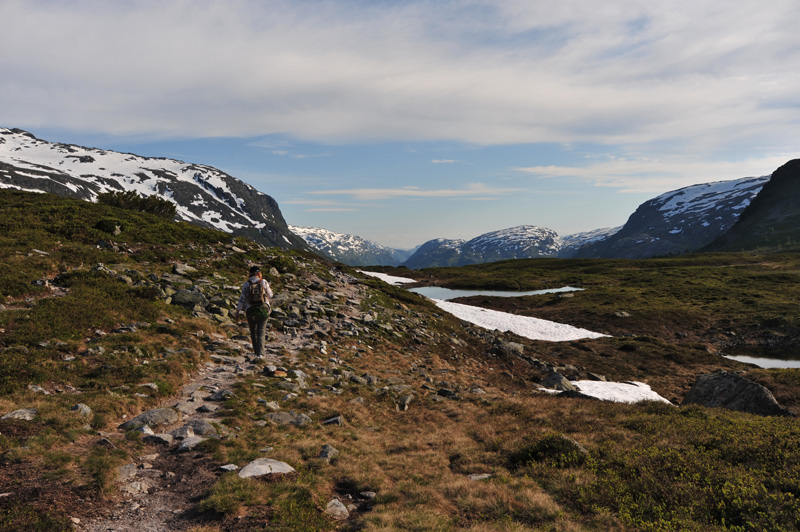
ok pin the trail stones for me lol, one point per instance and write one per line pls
(189, 299)
(182, 269)
(734, 392)
(153, 418)
(265, 466)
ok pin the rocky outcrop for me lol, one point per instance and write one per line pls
(734, 392)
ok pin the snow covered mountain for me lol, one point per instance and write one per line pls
(570, 244)
(203, 195)
(350, 249)
(679, 221)
(521, 242)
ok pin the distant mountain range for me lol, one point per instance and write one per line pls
(743, 214)
(350, 249)
(203, 195)
(677, 222)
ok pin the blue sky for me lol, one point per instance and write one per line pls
(406, 121)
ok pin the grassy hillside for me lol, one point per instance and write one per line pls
(427, 402)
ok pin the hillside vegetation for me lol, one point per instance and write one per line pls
(437, 425)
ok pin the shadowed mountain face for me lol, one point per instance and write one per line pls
(679, 221)
(772, 220)
(203, 195)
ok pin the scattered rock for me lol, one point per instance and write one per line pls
(265, 466)
(158, 439)
(328, 453)
(82, 409)
(556, 381)
(337, 420)
(337, 510)
(189, 444)
(24, 414)
(289, 418)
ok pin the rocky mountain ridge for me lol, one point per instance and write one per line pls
(678, 221)
(203, 195)
(350, 249)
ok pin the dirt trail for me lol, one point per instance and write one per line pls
(161, 489)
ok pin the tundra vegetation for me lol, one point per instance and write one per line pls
(441, 425)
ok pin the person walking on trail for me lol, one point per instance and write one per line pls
(255, 303)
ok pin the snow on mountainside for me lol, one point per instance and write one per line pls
(571, 243)
(350, 249)
(521, 242)
(679, 221)
(203, 195)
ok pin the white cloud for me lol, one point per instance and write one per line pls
(444, 161)
(472, 191)
(694, 73)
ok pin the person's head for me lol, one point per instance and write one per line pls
(255, 271)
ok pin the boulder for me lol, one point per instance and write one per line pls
(153, 418)
(734, 392)
(189, 299)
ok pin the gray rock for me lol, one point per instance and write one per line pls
(24, 414)
(126, 472)
(288, 418)
(328, 453)
(82, 409)
(556, 381)
(189, 444)
(153, 418)
(734, 392)
(337, 420)
(265, 466)
(222, 395)
(182, 269)
(158, 439)
(202, 427)
(229, 467)
(337, 510)
(189, 299)
(182, 433)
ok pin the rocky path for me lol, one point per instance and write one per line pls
(159, 490)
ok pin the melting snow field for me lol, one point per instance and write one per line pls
(533, 328)
(536, 329)
(619, 392)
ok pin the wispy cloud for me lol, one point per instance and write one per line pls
(631, 175)
(445, 161)
(472, 191)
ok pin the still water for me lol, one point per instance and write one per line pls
(437, 292)
(767, 362)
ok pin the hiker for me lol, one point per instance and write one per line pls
(255, 303)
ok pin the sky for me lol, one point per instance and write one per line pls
(402, 121)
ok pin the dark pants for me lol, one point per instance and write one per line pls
(258, 331)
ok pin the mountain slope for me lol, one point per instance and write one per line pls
(203, 195)
(350, 249)
(772, 219)
(679, 221)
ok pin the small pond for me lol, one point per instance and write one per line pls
(437, 292)
(766, 362)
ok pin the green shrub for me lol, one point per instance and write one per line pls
(133, 201)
